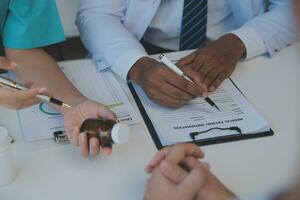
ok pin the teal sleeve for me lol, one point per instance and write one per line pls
(32, 24)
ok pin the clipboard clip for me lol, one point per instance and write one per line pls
(232, 128)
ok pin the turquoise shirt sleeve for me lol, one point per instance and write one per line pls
(32, 24)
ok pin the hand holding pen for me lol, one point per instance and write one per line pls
(162, 85)
(82, 108)
(178, 71)
(17, 99)
(24, 97)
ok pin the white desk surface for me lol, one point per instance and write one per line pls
(250, 167)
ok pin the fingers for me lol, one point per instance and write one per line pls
(196, 78)
(106, 113)
(210, 77)
(25, 95)
(88, 144)
(188, 60)
(175, 154)
(74, 137)
(206, 166)
(20, 99)
(190, 163)
(167, 88)
(28, 97)
(217, 82)
(157, 159)
(183, 84)
(94, 146)
(6, 64)
(107, 150)
(28, 84)
(173, 172)
(180, 152)
(164, 99)
(83, 145)
(91, 147)
(176, 93)
(199, 61)
(193, 182)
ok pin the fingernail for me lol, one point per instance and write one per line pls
(15, 65)
(205, 94)
(42, 90)
(94, 143)
(107, 151)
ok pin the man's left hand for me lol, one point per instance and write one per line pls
(216, 61)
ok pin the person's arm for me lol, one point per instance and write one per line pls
(102, 32)
(40, 69)
(113, 45)
(37, 66)
(268, 32)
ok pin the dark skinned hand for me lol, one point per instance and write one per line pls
(216, 61)
(164, 86)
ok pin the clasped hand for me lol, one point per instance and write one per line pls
(177, 174)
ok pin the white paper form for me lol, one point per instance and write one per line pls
(101, 87)
(40, 121)
(175, 125)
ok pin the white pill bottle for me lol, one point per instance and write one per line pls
(7, 167)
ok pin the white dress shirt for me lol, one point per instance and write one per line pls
(165, 28)
(111, 30)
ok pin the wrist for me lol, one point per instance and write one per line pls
(73, 103)
(236, 45)
(139, 68)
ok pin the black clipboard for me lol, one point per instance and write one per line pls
(203, 142)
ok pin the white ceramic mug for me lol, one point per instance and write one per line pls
(7, 167)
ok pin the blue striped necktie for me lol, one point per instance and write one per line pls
(194, 24)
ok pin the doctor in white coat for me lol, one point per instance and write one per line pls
(118, 34)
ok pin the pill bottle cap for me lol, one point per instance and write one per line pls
(4, 139)
(120, 133)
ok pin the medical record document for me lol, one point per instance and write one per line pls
(39, 122)
(198, 121)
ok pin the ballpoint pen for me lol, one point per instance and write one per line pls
(178, 71)
(5, 82)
